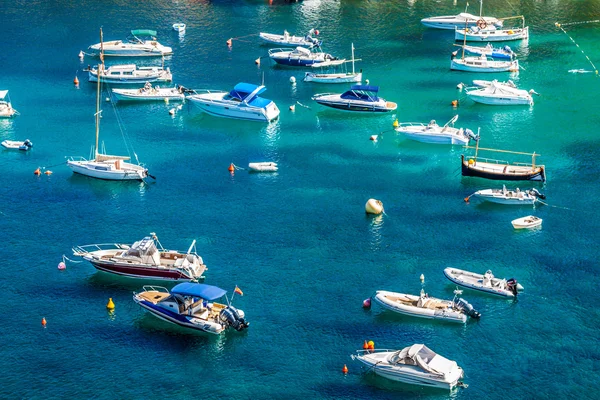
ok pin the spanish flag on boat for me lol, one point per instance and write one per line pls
(238, 291)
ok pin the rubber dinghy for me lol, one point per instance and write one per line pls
(484, 283)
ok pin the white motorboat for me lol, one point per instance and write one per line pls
(17, 144)
(300, 57)
(483, 64)
(329, 72)
(6, 109)
(504, 52)
(491, 34)
(360, 98)
(130, 74)
(415, 365)
(433, 133)
(484, 283)
(242, 102)
(423, 306)
(146, 258)
(141, 43)
(179, 27)
(263, 167)
(149, 93)
(528, 222)
(290, 40)
(193, 306)
(510, 197)
(103, 166)
(461, 20)
(498, 94)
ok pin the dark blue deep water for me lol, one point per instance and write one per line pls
(296, 242)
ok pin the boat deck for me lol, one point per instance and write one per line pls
(154, 297)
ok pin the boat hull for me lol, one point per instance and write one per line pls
(124, 49)
(454, 275)
(503, 172)
(383, 299)
(136, 173)
(456, 21)
(188, 322)
(134, 95)
(484, 66)
(434, 139)
(500, 101)
(230, 110)
(140, 271)
(332, 78)
(130, 79)
(289, 41)
(502, 35)
(505, 201)
(526, 223)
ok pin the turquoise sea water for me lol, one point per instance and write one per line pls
(296, 242)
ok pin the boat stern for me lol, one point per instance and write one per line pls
(271, 112)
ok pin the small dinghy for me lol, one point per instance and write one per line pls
(484, 283)
(423, 306)
(179, 27)
(17, 145)
(526, 222)
(511, 197)
(263, 167)
(290, 40)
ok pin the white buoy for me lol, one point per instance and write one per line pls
(81, 55)
(374, 207)
(172, 111)
(108, 99)
(292, 107)
(292, 80)
(373, 138)
(460, 86)
(422, 278)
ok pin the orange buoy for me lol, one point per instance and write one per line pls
(43, 321)
(371, 345)
(76, 80)
(231, 167)
(37, 172)
(229, 42)
(454, 103)
(345, 369)
(373, 138)
(292, 107)
(365, 345)
(48, 172)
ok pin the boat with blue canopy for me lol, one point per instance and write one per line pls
(140, 43)
(243, 102)
(360, 98)
(300, 57)
(192, 305)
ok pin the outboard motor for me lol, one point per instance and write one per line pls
(470, 134)
(512, 286)
(231, 317)
(536, 193)
(467, 308)
(28, 143)
(508, 49)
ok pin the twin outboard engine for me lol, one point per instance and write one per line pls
(536, 193)
(231, 316)
(512, 286)
(467, 308)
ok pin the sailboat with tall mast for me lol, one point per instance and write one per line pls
(104, 166)
(328, 73)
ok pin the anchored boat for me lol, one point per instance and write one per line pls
(329, 72)
(17, 145)
(461, 20)
(499, 94)
(140, 43)
(504, 52)
(489, 33)
(149, 93)
(130, 74)
(360, 98)
(509, 197)
(288, 40)
(146, 258)
(433, 133)
(484, 283)
(300, 57)
(528, 222)
(193, 306)
(6, 109)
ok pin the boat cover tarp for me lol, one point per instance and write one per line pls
(143, 32)
(243, 90)
(3, 93)
(424, 357)
(207, 292)
(361, 92)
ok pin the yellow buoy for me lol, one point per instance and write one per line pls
(257, 61)
(371, 345)
(292, 107)
(76, 80)
(395, 124)
(110, 305)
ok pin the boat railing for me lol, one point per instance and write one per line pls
(323, 94)
(494, 161)
(401, 124)
(280, 50)
(151, 288)
(76, 158)
(88, 248)
(370, 351)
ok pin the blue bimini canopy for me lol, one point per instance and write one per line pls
(207, 292)
(361, 92)
(242, 90)
(366, 88)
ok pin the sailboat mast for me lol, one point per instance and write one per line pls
(480, 8)
(352, 58)
(100, 70)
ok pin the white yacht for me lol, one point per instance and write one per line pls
(509, 197)
(130, 74)
(150, 93)
(141, 43)
(415, 365)
(461, 20)
(360, 98)
(483, 64)
(433, 133)
(242, 102)
(6, 109)
(498, 94)
(484, 282)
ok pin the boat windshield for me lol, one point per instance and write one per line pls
(144, 249)
(363, 95)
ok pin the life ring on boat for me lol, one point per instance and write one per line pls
(482, 24)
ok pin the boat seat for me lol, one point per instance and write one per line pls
(197, 306)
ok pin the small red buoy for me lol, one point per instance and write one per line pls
(317, 32)
(454, 103)
(365, 345)
(231, 167)
(367, 303)
(37, 172)
(43, 321)
(76, 80)
(345, 369)
(373, 138)
(229, 42)
(62, 265)
(48, 172)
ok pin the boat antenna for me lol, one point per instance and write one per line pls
(99, 71)
(352, 58)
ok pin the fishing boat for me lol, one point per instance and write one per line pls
(328, 72)
(17, 144)
(483, 64)
(509, 197)
(360, 98)
(140, 43)
(193, 306)
(498, 94)
(528, 222)
(461, 20)
(423, 306)
(504, 52)
(266, 166)
(415, 365)
(104, 166)
(502, 170)
(489, 33)
(433, 133)
(484, 283)
(300, 56)
(6, 109)
(179, 27)
(288, 40)
(150, 93)
(242, 102)
(130, 74)
(146, 258)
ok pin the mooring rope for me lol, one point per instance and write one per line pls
(560, 26)
(302, 105)
(550, 205)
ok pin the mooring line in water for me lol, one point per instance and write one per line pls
(578, 22)
(302, 105)
(550, 205)
(560, 26)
